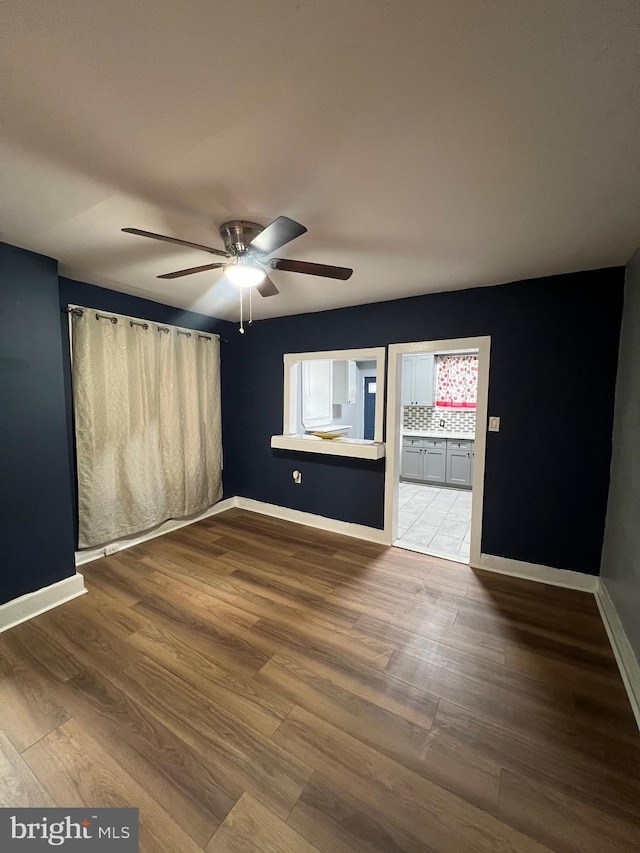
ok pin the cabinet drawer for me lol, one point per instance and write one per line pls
(435, 442)
(460, 444)
(412, 442)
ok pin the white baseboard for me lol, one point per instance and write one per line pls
(542, 574)
(359, 531)
(346, 528)
(501, 565)
(625, 657)
(90, 554)
(34, 603)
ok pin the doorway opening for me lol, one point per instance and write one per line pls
(369, 407)
(436, 422)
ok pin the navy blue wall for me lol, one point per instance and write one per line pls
(36, 516)
(554, 344)
(553, 365)
(79, 293)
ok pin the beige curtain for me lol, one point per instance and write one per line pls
(148, 426)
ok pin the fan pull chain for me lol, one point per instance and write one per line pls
(241, 329)
(251, 307)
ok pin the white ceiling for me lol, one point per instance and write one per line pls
(429, 144)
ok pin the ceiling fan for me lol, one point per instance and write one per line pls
(247, 246)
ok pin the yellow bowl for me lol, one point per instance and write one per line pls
(329, 435)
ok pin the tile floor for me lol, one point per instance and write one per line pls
(435, 521)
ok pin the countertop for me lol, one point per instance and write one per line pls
(357, 447)
(438, 433)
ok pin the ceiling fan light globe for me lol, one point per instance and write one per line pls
(244, 275)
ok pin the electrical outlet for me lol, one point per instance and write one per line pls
(111, 549)
(494, 424)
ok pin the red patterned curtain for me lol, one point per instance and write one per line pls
(457, 386)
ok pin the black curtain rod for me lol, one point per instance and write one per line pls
(79, 313)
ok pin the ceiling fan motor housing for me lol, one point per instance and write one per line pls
(249, 244)
(237, 234)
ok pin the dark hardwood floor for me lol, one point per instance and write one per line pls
(252, 684)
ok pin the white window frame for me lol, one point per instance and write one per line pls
(291, 387)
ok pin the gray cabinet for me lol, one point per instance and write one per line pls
(435, 465)
(424, 459)
(438, 460)
(417, 379)
(412, 466)
(459, 462)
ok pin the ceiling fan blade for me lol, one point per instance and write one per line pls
(343, 273)
(176, 241)
(190, 271)
(267, 288)
(282, 230)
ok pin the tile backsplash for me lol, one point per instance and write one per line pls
(428, 418)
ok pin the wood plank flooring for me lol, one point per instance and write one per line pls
(255, 685)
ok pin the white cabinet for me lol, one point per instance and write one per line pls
(324, 383)
(423, 379)
(345, 386)
(417, 379)
(408, 382)
(316, 392)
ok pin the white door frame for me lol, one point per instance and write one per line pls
(394, 432)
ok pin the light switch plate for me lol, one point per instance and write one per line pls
(494, 424)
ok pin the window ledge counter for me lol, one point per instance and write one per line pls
(356, 447)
